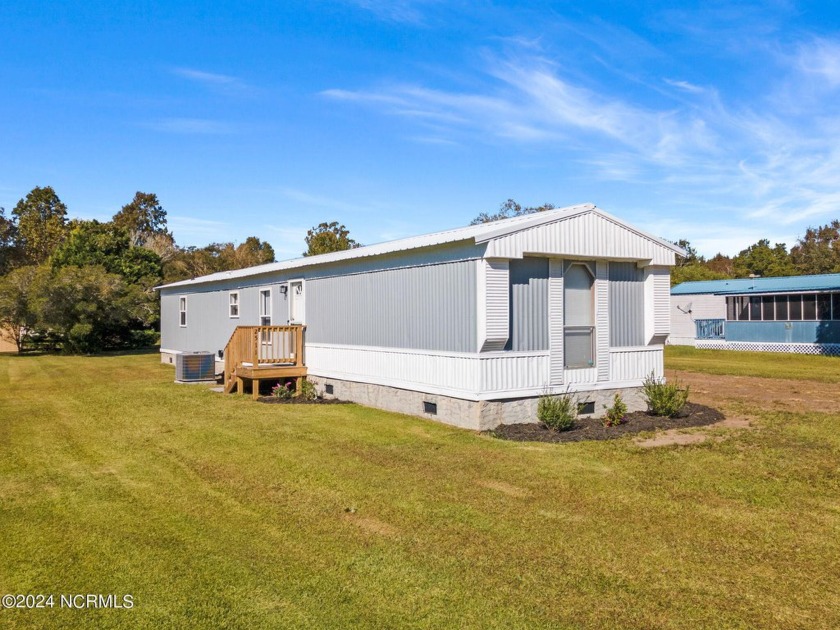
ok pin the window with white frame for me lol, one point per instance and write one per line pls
(579, 315)
(233, 304)
(182, 311)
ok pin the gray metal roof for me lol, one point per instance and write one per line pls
(477, 233)
(743, 286)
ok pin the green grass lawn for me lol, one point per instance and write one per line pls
(216, 511)
(762, 364)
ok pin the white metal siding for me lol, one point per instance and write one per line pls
(496, 298)
(635, 364)
(602, 320)
(555, 322)
(702, 306)
(587, 235)
(662, 300)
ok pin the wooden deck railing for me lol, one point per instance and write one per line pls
(263, 347)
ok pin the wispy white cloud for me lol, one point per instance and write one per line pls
(821, 59)
(200, 126)
(222, 83)
(761, 165)
(685, 86)
(401, 11)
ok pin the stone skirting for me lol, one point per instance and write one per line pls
(467, 414)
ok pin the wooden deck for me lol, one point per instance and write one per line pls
(259, 353)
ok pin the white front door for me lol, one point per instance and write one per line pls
(296, 302)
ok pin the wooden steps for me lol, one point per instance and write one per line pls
(258, 353)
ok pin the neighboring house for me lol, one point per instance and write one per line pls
(789, 314)
(468, 326)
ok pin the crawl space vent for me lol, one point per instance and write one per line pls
(429, 407)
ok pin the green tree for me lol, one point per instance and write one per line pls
(41, 220)
(191, 262)
(693, 273)
(819, 250)
(510, 209)
(762, 260)
(105, 244)
(142, 218)
(89, 308)
(328, 237)
(18, 315)
(8, 243)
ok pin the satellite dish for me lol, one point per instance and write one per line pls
(686, 309)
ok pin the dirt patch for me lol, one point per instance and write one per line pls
(372, 525)
(693, 415)
(297, 400)
(768, 393)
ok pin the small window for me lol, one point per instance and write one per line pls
(743, 310)
(329, 389)
(836, 298)
(768, 313)
(430, 407)
(233, 304)
(795, 303)
(781, 307)
(809, 307)
(824, 306)
(182, 311)
(755, 308)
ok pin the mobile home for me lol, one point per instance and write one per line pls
(789, 314)
(468, 326)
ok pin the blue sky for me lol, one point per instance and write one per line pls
(718, 122)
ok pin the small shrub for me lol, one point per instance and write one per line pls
(616, 414)
(557, 412)
(307, 390)
(664, 399)
(283, 390)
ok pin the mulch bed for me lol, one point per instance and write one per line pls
(692, 415)
(298, 400)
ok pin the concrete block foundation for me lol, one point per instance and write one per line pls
(467, 414)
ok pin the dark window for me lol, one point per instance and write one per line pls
(768, 313)
(781, 307)
(836, 298)
(730, 309)
(328, 389)
(795, 303)
(809, 307)
(429, 407)
(755, 308)
(824, 306)
(743, 308)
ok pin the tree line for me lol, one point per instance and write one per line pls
(816, 252)
(84, 285)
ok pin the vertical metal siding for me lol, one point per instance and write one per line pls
(555, 321)
(496, 293)
(661, 300)
(424, 308)
(627, 305)
(602, 320)
(528, 305)
(587, 235)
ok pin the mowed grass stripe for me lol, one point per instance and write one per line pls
(216, 511)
